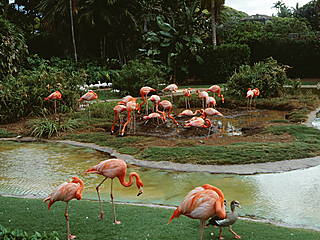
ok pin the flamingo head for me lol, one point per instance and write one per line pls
(249, 89)
(76, 180)
(140, 187)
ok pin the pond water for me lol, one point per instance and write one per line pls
(35, 169)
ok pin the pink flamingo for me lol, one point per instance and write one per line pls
(198, 122)
(202, 95)
(186, 112)
(144, 91)
(89, 96)
(155, 99)
(155, 115)
(117, 110)
(216, 89)
(172, 88)
(54, 96)
(167, 106)
(131, 107)
(202, 203)
(250, 95)
(125, 99)
(112, 168)
(187, 96)
(210, 112)
(211, 102)
(65, 192)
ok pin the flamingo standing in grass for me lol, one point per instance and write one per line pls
(202, 203)
(54, 96)
(155, 99)
(216, 89)
(65, 192)
(172, 88)
(144, 91)
(89, 96)
(117, 110)
(130, 107)
(187, 96)
(112, 168)
(167, 106)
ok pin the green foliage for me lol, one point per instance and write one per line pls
(220, 62)
(5, 133)
(13, 48)
(23, 94)
(18, 234)
(310, 12)
(48, 127)
(268, 76)
(137, 74)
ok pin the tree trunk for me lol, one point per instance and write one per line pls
(72, 33)
(213, 24)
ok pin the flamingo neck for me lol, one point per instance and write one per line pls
(131, 176)
(79, 190)
(207, 123)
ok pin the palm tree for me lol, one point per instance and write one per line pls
(55, 15)
(214, 7)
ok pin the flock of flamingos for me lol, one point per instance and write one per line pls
(129, 104)
(201, 203)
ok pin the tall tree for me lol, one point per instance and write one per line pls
(214, 7)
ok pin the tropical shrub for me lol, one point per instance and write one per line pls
(220, 62)
(23, 94)
(48, 127)
(13, 48)
(137, 74)
(268, 76)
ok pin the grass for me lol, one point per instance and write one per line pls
(4, 133)
(138, 223)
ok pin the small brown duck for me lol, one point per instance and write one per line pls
(228, 221)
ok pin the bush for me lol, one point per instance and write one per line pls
(48, 127)
(13, 48)
(268, 76)
(137, 74)
(8, 234)
(219, 63)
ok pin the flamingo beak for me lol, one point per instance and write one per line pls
(239, 206)
(140, 191)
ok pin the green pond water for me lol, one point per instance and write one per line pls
(35, 169)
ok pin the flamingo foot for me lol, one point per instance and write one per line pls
(101, 215)
(71, 236)
(116, 222)
(237, 236)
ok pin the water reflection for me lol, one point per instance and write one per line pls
(36, 169)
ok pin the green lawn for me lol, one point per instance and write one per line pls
(138, 223)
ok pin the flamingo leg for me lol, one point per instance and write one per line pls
(101, 215)
(113, 206)
(55, 107)
(126, 123)
(147, 104)
(115, 119)
(220, 234)
(186, 101)
(66, 214)
(235, 235)
(202, 224)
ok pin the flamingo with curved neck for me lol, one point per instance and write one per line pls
(112, 168)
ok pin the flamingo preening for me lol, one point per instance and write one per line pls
(186, 112)
(187, 96)
(117, 110)
(154, 116)
(210, 112)
(167, 106)
(216, 89)
(202, 203)
(211, 102)
(144, 91)
(54, 96)
(65, 192)
(112, 168)
(250, 95)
